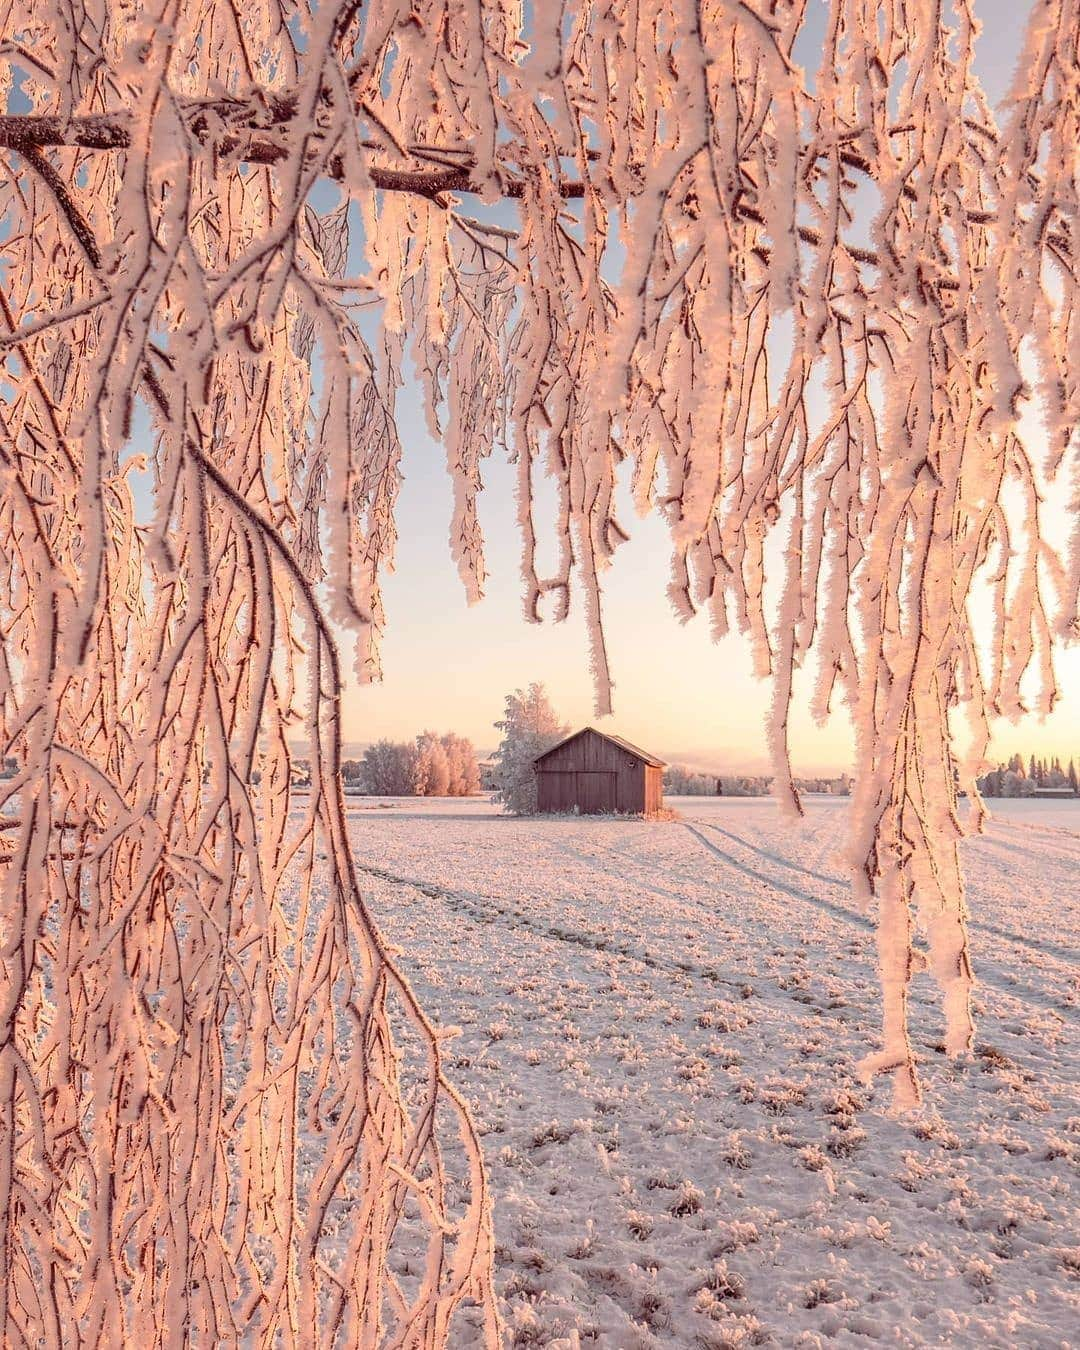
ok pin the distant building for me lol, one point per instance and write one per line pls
(1055, 792)
(597, 774)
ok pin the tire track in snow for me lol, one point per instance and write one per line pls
(772, 857)
(1002, 982)
(622, 859)
(489, 909)
(1059, 873)
(1041, 945)
(1058, 833)
(486, 909)
(1068, 858)
(837, 911)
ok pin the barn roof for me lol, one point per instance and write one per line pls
(634, 750)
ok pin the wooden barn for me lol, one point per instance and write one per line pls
(598, 774)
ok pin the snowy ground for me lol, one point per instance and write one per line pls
(660, 1024)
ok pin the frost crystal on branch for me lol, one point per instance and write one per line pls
(808, 309)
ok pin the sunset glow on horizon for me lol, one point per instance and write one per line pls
(449, 666)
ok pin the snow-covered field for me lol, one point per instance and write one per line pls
(660, 1023)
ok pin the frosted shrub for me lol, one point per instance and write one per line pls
(653, 1309)
(734, 1333)
(780, 1095)
(812, 1158)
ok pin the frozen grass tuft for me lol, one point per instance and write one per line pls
(551, 1133)
(688, 1200)
(526, 1328)
(653, 1309)
(1070, 1259)
(818, 1292)
(733, 1237)
(737, 1155)
(722, 1282)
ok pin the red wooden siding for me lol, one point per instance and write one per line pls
(594, 775)
(654, 789)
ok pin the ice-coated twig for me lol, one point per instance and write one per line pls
(810, 313)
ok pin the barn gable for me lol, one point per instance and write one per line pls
(601, 736)
(594, 773)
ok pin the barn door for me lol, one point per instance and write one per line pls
(595, 791)
(558, 790)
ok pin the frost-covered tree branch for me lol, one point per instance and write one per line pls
(808, 315)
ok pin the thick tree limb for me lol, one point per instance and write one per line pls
(80, 226)
(244, 135)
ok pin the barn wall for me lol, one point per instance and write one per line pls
(556, 790)
(654, 789)
(593, 775)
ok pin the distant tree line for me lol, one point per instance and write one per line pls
(834, 787)
(679, 781)
(1017, 780)
(430, 766)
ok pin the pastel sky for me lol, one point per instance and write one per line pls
(448, 666)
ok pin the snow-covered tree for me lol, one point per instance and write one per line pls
(809, 308)
(390, 768)
(432, 766)
(463, 766)
(1017, 785)
(529, 726)
(993, 783)
(679, 781)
